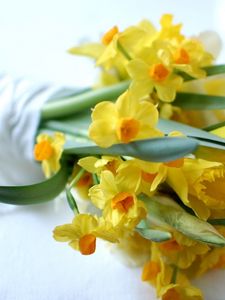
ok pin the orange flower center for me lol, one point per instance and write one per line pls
(221, 262)
(123, 201)
(111, 166)
(178, 163)
(181, 57)
(108, 36)
(128, 129)
(150, 271)
(158, 72)
(43, 150)
(171, 245)
(148, 177)
(85, 180)
(171, 295)
(87, 244)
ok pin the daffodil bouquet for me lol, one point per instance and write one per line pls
(145, 150)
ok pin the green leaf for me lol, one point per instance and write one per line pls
(154, 235)
(168, 126)
(214, 70)
(164, 212)
(210, 71)
(155, 149)
(191, 101)
(71, 105)
(35, 193)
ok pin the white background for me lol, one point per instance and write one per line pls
(34, 36)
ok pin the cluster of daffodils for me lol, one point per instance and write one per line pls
(156, 61)
(166, 215)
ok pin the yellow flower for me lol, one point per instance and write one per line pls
(124, 121)
(95, 165)
(48, 150)
(211, 260)
(131, 40)
(181, 250)
(159, 272)
(206, 180)
(145, 177)
(153, 70)
(168, 30)
(141, 176)
(189, 57)
(179, 292)
(83, 231)
(118, 202)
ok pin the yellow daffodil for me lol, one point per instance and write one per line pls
(190, 56)
(213, 259)
(118, 202)
(179, 292)
(95, 165)
(83, 231)
(126, 43)
(124, 121)
(141, 176)
(168, 30)
(181, 250)
(153, 71)
(48, 150)
(206, 180)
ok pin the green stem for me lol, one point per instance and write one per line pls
(214, 126)
(217, 221)
(76, 178)
(174, 274)
(95, 179)
(123, 51)
(71, 105)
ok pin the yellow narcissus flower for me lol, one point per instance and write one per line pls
(118, 202)
(145, 177)
(181, 250)
(48, 150)
(124, 121)
(179, 292)
(83, 231)
(127, 43)
(153, 70)
(206, 182)
(160, 274)
(190, 56)
(168, 30)
(141, 176)
(95, 165)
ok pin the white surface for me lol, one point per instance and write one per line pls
(34, 37)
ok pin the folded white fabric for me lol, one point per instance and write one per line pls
(20, 104)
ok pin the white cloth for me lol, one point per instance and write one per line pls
(20, 105)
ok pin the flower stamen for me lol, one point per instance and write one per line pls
(123, 202)
(128, 129)
(43, 151)
(181, 57)
(158, 72)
